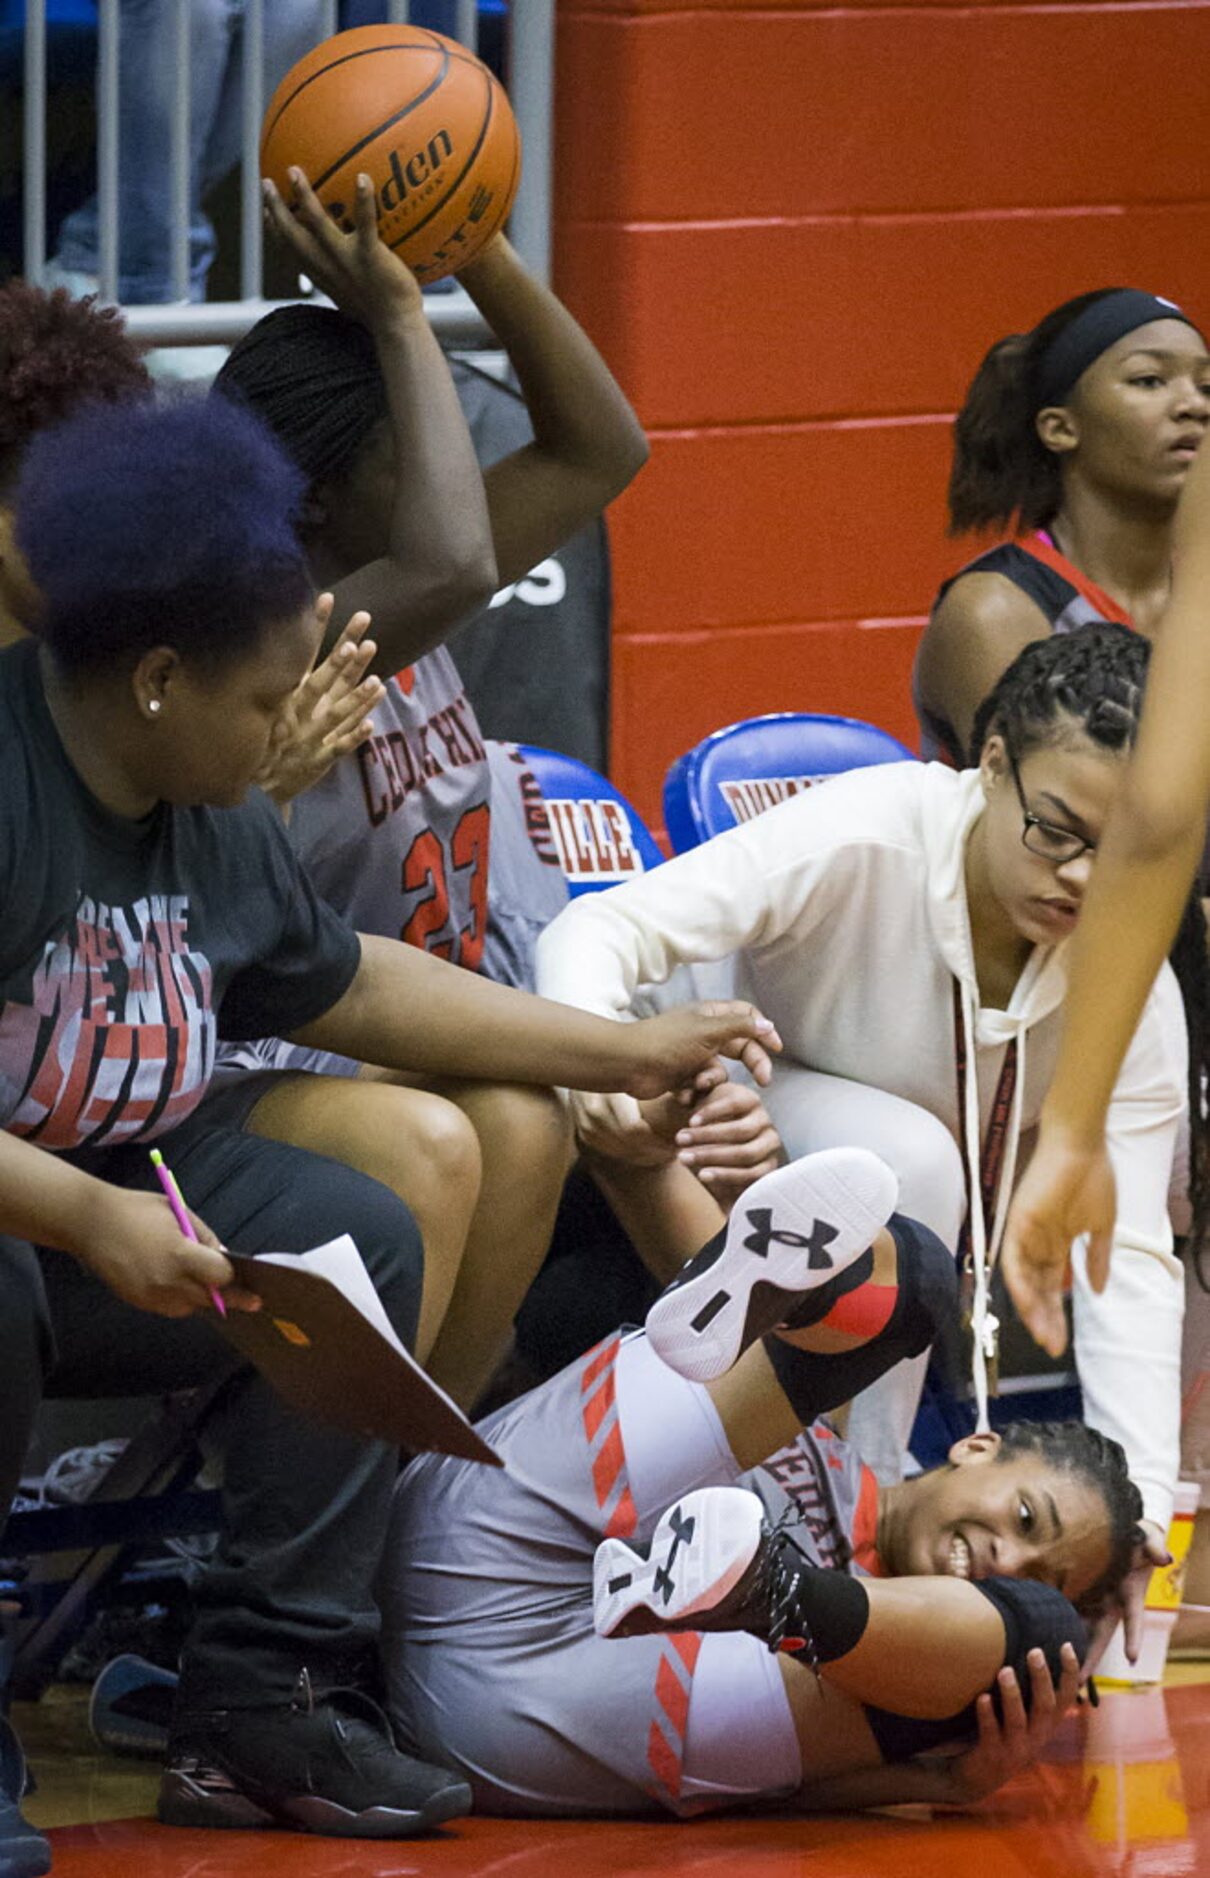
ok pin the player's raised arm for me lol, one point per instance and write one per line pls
(1133, 907)
(587, 443)
(395, 519)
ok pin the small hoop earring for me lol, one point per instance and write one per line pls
(153, 704)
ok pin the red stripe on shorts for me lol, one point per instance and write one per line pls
(672, 1696)
(598, 1406)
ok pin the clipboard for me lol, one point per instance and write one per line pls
(325, 1343)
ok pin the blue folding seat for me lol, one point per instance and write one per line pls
(600, 837)
(737, 772)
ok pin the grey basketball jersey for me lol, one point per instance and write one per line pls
(490, 1655)
(396, 836)
(831, 1495)
(431, 835)
(426, 834)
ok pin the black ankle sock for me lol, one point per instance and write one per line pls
(834, 1610)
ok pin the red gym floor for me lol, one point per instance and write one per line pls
(1125, 1793)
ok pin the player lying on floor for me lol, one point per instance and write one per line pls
(918, 1620)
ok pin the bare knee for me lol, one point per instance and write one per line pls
(420, 1144)
(438, 1135)
(524, 1123)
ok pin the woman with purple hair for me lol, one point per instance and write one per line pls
(152, 905)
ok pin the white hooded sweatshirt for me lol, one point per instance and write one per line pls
(847, 907)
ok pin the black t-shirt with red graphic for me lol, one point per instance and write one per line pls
(127, 948)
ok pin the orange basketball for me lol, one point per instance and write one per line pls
(423, 117)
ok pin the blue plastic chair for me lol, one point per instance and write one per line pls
(737, 772)
(601, 838)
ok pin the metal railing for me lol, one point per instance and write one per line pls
(180, 321)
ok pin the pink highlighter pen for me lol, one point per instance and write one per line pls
(177, 1203)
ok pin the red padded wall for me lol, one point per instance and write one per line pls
(794, 229)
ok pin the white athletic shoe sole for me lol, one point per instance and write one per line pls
(701, 1549)
(789, 1233)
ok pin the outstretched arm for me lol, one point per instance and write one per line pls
(1144, 872)
(407, 1010)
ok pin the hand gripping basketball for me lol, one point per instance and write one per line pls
(418, 114)
(357, 270)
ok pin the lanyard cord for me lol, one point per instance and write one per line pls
(973, 1243)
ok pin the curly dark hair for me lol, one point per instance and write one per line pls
(1091, 1456)
(57, 354)
(145, 524)
(1092, 680)
(1001, 472)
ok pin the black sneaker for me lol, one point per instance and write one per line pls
(790, 1233)
(325, 1765)
(24, 1853)
(714, 1563)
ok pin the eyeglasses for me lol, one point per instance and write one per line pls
(1054, 844)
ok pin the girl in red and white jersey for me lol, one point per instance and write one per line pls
(1080, 434)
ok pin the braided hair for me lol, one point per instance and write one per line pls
(1092, 681)
(311, 374)
(1090, 1456)
(1001, 470)
(1089, 680)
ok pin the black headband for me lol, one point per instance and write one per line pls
(1092, 332)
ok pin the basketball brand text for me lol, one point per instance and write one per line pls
(414, 175)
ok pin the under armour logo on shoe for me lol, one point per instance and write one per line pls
(682, 1533)
(664, 1584)
(763, 1236)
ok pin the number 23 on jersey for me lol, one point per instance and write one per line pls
(449, 918)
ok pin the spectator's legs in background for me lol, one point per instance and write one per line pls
(291, 28)
(147, 89)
